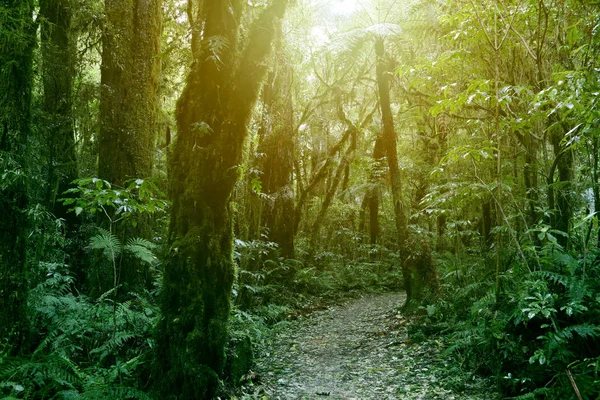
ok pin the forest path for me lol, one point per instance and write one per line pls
(358, 350)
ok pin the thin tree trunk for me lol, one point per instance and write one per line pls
(330, 195)
(530, 177)
(596, 184)
(560, 200)
(372, 196)
(487, 222)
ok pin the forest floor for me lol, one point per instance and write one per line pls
(359, 350)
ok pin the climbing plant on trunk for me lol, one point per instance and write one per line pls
(212, 113)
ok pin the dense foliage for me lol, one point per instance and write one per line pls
(177, 178)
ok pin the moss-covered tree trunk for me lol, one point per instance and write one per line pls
(372, 196)
(530, 177)
(212, 114)
(560, 194)
(58, 53)
(17, 40)
(128, 111)
(389, 143)
(129, 97)
(277, 165)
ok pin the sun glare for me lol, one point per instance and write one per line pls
(343, 7)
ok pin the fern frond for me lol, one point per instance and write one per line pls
(141, 242)
(553, 277)
(583, 330)
(385, 30)
(141, 249)
(106, 241)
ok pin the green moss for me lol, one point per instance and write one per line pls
(239, 359)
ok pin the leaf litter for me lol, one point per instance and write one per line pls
(359, 350)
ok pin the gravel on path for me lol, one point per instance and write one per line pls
(358, 350)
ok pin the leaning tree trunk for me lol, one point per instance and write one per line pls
(129, 109)
(17, 40)
(212, 114)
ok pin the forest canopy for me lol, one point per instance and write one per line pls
(182, 180)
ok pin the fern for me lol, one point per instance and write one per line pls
(553, 277)
(108, 242)
(72, 358)
(141, 249)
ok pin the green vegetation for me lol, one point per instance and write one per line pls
(183, 183)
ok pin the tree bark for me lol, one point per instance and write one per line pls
(389, 142)
(129, 96)
(58, 53)
(17, 41)
(530, 177)
(212, 114)
(560, 200)
(128, 113)
(277, 164)
(372, 196)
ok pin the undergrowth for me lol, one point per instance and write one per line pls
(534, 329)
(80, 353)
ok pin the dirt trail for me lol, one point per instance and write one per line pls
(359, 350)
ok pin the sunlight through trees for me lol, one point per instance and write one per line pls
(185, 185)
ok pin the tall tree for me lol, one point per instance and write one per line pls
(129, 100)
(389, 143)
(129, 103)
(58, 52)
(17, 41)
(212, 113)
(277, 165)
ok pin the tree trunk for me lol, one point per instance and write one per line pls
(561, 199)
(486, 223)
(596, 183)
(530, 177)
(129, 97)
(17, 40)
(128, 109)
(372, 195)
(329, 196)
(277, 164)
(199, 271)
(389, 142)
(58, 71)
(58, 52)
